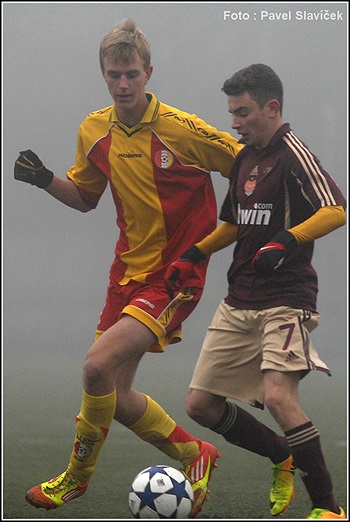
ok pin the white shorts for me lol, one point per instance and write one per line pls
(241, 344)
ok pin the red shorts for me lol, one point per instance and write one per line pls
(152, 306)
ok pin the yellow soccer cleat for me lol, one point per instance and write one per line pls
(325, 514)
(282, 490)
(199, 473)
(55, 492)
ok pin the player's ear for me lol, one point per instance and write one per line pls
(273, 107)
(148, 73)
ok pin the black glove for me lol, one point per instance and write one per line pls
(181, 270)
(269, 257)
(30, 169)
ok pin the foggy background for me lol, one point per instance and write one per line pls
(56, 260)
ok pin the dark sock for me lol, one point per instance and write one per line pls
(241, 428)
(304, 442)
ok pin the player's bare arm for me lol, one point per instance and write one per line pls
(66, 192)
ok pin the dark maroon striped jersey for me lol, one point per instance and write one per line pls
(274, 189)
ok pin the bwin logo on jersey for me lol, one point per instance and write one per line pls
(259, 215)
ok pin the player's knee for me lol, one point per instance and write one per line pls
(199, 407)
(195, 408)
(96, 369)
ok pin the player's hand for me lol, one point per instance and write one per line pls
(30, 169)
(269, 257)
(180, 271)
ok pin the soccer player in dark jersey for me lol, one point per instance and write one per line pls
(157, 161)
(258, 346)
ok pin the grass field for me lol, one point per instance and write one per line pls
(40, 404)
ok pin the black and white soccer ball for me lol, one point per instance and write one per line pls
(160, 492)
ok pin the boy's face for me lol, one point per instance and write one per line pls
(126, 82)
(255, 124)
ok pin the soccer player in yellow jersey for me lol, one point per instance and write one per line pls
(157, 161)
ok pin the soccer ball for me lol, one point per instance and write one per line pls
(160, 492)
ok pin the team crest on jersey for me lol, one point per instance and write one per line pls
(249, 186)
(164, 159)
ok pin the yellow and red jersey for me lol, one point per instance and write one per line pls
(159, 175)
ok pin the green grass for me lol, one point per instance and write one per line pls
(40, 404)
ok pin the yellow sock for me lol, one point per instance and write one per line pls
(156, 427)
(92, 426)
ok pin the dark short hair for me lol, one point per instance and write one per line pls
(258, 80)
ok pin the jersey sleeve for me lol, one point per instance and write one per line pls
(195, 142)
(324, 221)
(223, 236)
(214, 150)
(89, 180)
(316, 184)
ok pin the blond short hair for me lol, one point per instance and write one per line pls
(123, 42)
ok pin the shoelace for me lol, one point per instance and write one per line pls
(277, 477)
(66, 483)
